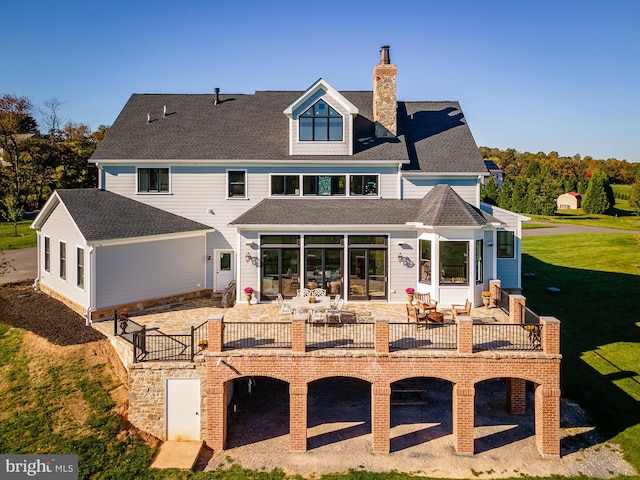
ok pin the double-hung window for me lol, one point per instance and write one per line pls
(237, 183)
(505, 244)
(80, 267)
(63, 260)
(47, 254)
(153, 180)
(320, 123)
(479, 263)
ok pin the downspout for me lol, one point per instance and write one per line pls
(89, 286)
(400, 192)
(36, 281)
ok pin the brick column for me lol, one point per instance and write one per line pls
(298, 333)
(516, 308)
(465, 334)
(216, 429)
(381, 417)
(463, 419)
(494, 288)
(382, 334)
(215, 327)
(548, 421)
(298, 417)
(550, 336)
(517, 396)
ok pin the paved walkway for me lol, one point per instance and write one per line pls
(563, 228)
(23, 265)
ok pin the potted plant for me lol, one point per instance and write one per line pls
(410, 291)
(248, 293)
(486, 298)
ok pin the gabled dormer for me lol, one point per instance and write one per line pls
(321, 122)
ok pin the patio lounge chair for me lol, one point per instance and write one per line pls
(461, 310)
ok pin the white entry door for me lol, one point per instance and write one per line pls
(183, 409)
(224, 272)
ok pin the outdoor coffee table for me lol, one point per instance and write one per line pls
(435, 317)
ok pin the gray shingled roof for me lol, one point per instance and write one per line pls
(441, 207)
(432, 137)
(102, 215)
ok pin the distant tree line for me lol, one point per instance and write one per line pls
(533, 181)
(37, 159)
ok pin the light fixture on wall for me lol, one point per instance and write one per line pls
(400, 258)
(248, 257)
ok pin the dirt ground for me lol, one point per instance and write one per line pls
(339, 413)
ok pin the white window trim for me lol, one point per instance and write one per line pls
(246, 184)
(44, 254)
(148, 167)
(66, 261)
(84, 268)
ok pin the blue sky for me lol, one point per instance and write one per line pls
(531, 75)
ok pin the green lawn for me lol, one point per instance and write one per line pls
(599, 278)
(26, 236)
(620, 217)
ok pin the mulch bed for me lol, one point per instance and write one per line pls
(22, 307)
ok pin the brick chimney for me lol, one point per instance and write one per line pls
(385, 107)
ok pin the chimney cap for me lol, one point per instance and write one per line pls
(384, 55)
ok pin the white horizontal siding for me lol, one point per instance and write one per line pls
(60, 227)
(142, 271)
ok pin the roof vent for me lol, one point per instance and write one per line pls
(148, 118)
(164, 110)
(216, 101)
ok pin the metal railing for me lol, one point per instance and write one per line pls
(322, 335)
(507, 336)
(150, 344)
(503, 301)
(411, 336)
(530, 317)
(256, 335)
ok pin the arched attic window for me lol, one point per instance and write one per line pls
(320, 123)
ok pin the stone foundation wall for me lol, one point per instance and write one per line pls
(147, 388)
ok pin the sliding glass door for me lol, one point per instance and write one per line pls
(280, 266)
(367, 268)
